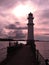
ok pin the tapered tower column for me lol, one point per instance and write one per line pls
(30, 39)
(30, 28)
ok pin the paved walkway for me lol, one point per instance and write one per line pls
(22, 57)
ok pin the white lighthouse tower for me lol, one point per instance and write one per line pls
(30, 28)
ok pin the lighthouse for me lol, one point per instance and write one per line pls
(30, 38)
(30, 24)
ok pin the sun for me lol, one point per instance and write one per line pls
(21, 10)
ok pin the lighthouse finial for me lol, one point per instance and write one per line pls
(30, 15)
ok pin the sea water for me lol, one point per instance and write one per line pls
(3, 50)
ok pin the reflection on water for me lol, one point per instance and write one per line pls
(43, 48)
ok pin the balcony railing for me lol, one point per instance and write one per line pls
(40, 58)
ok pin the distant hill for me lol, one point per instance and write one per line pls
(5, 39)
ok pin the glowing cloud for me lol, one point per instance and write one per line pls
(22, 10)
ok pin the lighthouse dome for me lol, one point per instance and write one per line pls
(30, 15)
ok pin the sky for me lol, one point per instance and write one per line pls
(13, 18)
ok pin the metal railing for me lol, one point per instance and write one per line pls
(40, 58)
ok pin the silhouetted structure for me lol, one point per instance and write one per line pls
(46, 62)
(31, 37)
(30, 29)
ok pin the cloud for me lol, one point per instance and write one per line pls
(42, 14)
(7, 19)
(15, 26)
(42, 17)
(46, 34)
(42, 24)
(11, 26)
(16, 34)
(2, 33)
(10, 3)
(42, 37)
(20, 35)
(7, 3)
(15, 31)
(42, 4)
(45, 14)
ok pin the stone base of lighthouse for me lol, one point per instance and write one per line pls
(33, 48)
(30, 42)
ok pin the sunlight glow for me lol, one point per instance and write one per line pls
(21, 10)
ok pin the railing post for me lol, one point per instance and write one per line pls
(46, 62)
(9, 44)
(37, 56)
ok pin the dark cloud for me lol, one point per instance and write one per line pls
(20, 35)
(23, 28)
(13, 26)
(17, 34)
(17, 31)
